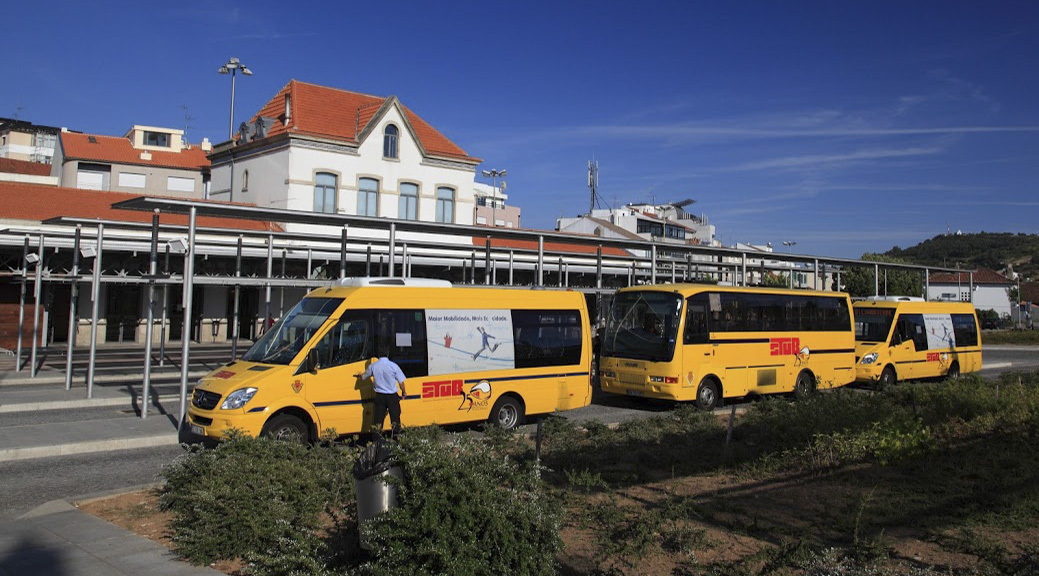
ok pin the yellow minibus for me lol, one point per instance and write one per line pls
(299, 378)
(902, 338)
(706, 343)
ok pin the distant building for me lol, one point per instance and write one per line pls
(329, 150)
(664, 223)
(490, 205)
(146, 160)
(991, 289)
(21, 140)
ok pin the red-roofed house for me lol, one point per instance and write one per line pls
(335, 151)
(12, 170)
(146, 160)
(991, 289)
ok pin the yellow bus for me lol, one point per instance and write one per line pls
(299, 378)
(901, 338)
(706, 343)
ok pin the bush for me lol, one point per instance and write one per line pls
(252, 495)
(464, 509)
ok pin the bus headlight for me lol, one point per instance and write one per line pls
(869, 358)
(238, 398)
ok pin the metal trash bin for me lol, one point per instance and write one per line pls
(375, 494)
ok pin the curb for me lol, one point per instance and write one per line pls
(81, 403)
(99, 379)
(12, 454)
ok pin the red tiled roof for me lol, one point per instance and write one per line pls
(981, 276)
(1030, 292)
(12, 166)
(37, 203)
(344, 115)
(116, 150)
(553, 246)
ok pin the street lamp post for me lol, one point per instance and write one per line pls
(494, 174)
(232, 67)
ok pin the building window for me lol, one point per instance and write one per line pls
(161, 139)
(245, 181)
(368, 197)
(445, 204)
(651, 228)
(178, 184)
(408, 201)
(325, 193)
(389, 141)
(131, 180)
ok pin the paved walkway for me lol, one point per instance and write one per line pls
(57, 538)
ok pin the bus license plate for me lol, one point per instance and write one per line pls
(634, 392)
(198, 430)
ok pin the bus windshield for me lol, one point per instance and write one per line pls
(281, 343)
(873, 324)
(643, 325)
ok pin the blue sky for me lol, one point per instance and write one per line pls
(847, 127)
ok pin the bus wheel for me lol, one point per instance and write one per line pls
(954, 371)
(707, 395)
(805, 386)
(285, 427)
(507, 413)
(887, 378)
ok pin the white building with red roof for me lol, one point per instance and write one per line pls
(146, 160)
(991, 290)
(334, 151)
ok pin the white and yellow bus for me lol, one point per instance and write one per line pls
(705, 343)
(900, 338)
(299, 377)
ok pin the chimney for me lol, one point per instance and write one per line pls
(206, 145)
(288, 109)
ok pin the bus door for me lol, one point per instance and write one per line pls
(909, 346)
(696, 355)
(337, 395)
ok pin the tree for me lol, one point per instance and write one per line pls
(860, 281)
(773, 280)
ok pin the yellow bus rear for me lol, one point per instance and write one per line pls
(691, 342)
(299, 378)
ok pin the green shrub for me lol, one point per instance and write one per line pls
(464, 509)
(248, 496)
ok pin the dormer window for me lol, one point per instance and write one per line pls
(161, 139)
(389, 141)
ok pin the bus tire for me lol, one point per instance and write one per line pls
(285, 427)
(887, 378)
(707, 395)
(804, 386)
(954, 371)
(507, 413)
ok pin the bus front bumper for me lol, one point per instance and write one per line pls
(217, 424)
(664, 392)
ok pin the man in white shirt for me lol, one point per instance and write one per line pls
(387, 375)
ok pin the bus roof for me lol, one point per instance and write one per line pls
(688, 289)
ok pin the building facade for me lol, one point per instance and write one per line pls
(146, 160)
(491, 207)
(991, 290)
(334, 151)
(20, 140)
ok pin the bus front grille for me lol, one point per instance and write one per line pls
(633, 379)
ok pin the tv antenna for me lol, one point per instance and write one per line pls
(187, 119)
(593, 182)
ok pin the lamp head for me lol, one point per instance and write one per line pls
(32, 258)
(178, 245)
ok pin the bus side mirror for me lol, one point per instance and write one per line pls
(313, 362)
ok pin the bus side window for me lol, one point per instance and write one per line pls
(346, 342)
(696, 320)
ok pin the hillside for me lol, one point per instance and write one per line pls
(985, 250)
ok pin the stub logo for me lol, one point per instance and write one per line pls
(223, 374)
(784, 346)
(477, 396)
(297, 386)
